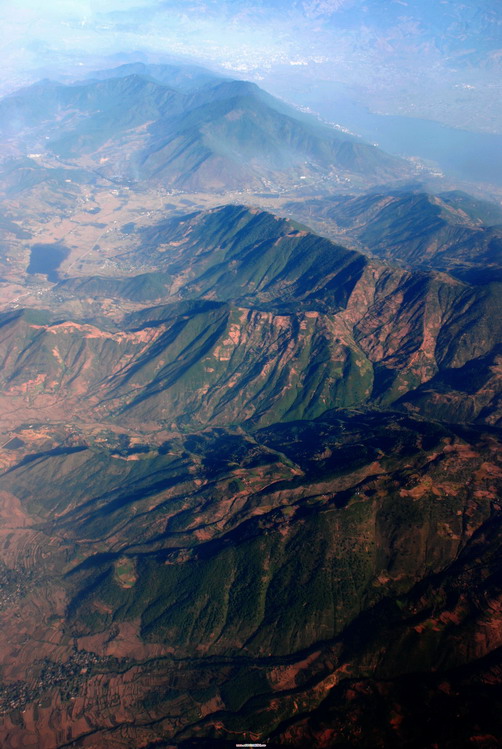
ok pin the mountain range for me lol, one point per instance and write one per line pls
(187, 130)
(450, 231)
(250, 472)
(296, 323)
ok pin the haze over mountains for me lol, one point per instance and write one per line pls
(250, 483)
(187, 130)
(428, 60)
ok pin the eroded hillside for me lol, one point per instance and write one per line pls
(249, 476)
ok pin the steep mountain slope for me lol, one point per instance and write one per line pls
(245, 136)
(204, 134)
(266, 322)
(445, 232)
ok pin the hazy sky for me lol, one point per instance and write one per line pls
(391, 50)
(230, 33)
(246, 31)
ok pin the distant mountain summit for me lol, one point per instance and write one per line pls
(189, 129)
(183, 78)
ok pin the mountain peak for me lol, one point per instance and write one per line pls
(192, 130)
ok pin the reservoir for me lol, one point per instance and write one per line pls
(46, 259)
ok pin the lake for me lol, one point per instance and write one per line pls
(470, 156)
(46, 259)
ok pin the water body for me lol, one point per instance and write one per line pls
(470, 156)
(46, 259)
(475, 157)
